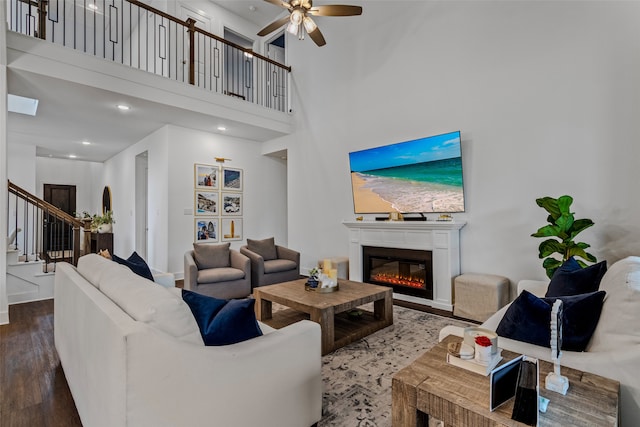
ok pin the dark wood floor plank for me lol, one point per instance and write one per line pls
(33, 389)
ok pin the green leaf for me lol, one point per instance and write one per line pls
(549, 247)
(551, 265)
(579, 225)
(565, 222)
(547, 231)
(550, 205)
(564, 203)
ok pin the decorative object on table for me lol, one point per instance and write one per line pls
(206, 230)
(104, 223)
(483, 350)
(445, 217)
(329, 281)
(563, 228)
(395, 216)
(312, 281)
(205, 176)
(232, 179)
(463, 356)
(471, 333)
(554, 380)
(206, 202)
(525, 406)
(232, 204)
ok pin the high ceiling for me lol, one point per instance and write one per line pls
(82, 113)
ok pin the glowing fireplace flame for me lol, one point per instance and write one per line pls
(394, 279)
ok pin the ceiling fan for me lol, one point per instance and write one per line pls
(299, 19)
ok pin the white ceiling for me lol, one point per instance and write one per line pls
(82, 113)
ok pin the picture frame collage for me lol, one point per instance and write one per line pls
(218, 203)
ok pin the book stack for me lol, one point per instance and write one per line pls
(475, 366)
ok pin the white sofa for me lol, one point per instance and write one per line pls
(614, 349)
(133, 356)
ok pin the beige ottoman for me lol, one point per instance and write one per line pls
(478, 296)
(341, 263)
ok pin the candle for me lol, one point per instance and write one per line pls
(327, 265)
(333, 273)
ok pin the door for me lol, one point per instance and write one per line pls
(203, 50)
(142, 206)
(276, 77)
(56, 236)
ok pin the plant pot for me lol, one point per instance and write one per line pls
(105, 228)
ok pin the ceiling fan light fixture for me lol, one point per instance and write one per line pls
(292, 28)
(309, 25)
(297, 16)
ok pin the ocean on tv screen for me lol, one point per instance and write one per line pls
(423, 175)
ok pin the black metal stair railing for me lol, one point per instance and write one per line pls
(137, 35)
(42, 231)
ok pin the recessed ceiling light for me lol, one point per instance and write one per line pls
(123, 107)
(222, 128)
(92, 6)
(86, 143)
(22, 105)
(72, 156)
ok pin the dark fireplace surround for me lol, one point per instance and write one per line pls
(407, 271)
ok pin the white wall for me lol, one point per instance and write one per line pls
(84, 175)
(546, 95)
(119, 175)
(4, 307)
(22, 167)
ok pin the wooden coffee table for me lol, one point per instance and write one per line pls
(330, 310)
(432, 387)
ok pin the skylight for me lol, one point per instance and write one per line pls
(22, 105)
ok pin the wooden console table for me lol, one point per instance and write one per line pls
(101, 241)
(432, 387)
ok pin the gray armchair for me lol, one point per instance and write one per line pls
(217, 271)
(271, 263)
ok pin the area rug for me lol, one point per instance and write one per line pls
(357, 377)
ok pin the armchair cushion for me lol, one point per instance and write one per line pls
(223, 322)
(278, 265)
(572, 279)
(528, 319)
(136, 264)
(209, 255)
(266, 248)
(223, 274)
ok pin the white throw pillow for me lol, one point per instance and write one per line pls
(620, 315)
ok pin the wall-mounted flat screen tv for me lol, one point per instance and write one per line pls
(423, 175)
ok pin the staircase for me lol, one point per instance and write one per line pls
(29, 276)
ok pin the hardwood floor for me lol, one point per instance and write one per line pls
(33, 389)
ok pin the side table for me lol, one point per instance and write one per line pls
(432, 387)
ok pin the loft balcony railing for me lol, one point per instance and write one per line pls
(139, 36)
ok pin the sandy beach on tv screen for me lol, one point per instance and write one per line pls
(364, 197)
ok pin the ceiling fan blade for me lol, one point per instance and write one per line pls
(317, 37)
(335, 10)
(273, 26)
(279, 3)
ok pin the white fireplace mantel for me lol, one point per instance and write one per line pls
(442, 238)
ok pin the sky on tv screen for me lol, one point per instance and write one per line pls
(423, 175)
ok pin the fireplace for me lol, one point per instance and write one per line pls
(407, 271)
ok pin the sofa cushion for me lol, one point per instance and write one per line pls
(223, 322)
(617, 328)
(147, 302)
(92, 267)
(278, 265)
(217, 275)
(208, 255)
(266, 248)
(136, 264)
(528, 319)
(572, 279)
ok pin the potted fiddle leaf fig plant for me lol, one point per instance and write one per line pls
(562, 230)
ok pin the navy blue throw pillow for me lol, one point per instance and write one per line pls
(136, 264)
(571, 279)
(223, 322)
(528, 319)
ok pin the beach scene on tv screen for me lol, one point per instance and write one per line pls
(424, 175)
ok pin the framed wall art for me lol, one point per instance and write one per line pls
(231, 204)
(206, 202)
(206, 176)
(232, 179)
(206, 230)
(231, 229)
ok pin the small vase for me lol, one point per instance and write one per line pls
(105, 228)
(312, 283)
